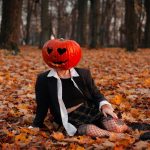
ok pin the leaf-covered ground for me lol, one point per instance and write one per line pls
(124, 78)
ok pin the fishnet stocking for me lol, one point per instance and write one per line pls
(114, 125)
(92, 130)
(110, 124)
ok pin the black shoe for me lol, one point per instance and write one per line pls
(145, 136)
(139, 126)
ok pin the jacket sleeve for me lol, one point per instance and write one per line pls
(41, 101)
(95, 93)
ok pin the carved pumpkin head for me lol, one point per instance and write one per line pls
(62, 54)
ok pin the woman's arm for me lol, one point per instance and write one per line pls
(96, 95)
(104, 105)
(41, 92)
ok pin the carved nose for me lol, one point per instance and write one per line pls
(61, 50)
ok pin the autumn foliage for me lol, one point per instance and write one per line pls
(124, 78)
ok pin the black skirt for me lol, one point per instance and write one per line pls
(86, 114)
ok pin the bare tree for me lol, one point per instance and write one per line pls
(10, 25)
(46, 26)
(105, 21)
(147, 25)
(131, 25)
(30, 4)
(94, 23)
(82, 22)
(74, 17)
(62, 18)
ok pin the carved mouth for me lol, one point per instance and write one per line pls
(58, 63)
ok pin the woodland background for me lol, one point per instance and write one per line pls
(115, 39)
(92, 23)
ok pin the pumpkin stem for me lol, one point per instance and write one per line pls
(61, 39)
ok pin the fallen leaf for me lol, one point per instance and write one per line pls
(117, 100)
(58, 136)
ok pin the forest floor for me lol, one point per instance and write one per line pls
(123, 77)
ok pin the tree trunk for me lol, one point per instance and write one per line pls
(131, 26)
(82, 22)
(115, 36)
(10, 25)
(74, 22)
(29, 14)
(122, 27)
(147, 25)
(59, 19)
(63, 20)
(94, 23)
(45, 23)
(106, 16)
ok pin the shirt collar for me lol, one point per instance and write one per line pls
(53, 73)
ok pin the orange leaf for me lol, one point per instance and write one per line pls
(7, 146)
(57, 136)
(33, 131)
(74, 146)
(117, 100)
(121, 144)
(85, 140)
(135, 112)
(22, 137)
(44, 134)
(80, 148)
(147, 82)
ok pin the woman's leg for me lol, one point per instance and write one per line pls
(114, 125)
(93, 130)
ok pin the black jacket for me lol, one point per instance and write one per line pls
(46, 94)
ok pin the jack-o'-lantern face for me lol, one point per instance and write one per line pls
(60, 53)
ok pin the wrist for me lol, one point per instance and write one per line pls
(105, 106)
(103, 103)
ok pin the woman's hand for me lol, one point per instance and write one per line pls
(34, 128)
(107, 109)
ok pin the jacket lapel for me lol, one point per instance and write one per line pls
(80, 83)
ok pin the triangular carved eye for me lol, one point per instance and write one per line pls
(49, 50)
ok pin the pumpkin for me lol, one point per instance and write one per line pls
(62, 54)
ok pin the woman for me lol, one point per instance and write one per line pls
(70, 93)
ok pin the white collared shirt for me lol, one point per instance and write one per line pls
(70, 129)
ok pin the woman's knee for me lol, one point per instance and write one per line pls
(82, 129)
(115, 125)
(85, 128)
